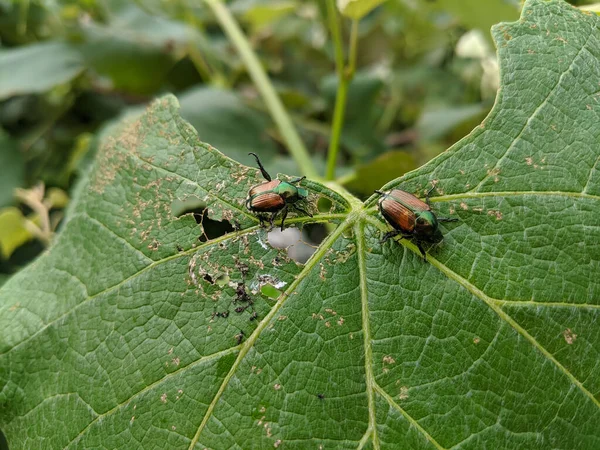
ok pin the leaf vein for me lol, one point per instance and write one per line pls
(536, 112)
(364, 295)
(245, 348)
(412, 421)
(168, 376)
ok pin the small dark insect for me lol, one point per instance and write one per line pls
(239, 337)
(223, 314)
(254, 316)
(243, 268)
(179, 248)
(241, 309)
(275, 196)
(321, 396)
(241, 294)
(411, 218)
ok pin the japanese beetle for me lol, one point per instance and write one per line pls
(411, 217)
(275, 196)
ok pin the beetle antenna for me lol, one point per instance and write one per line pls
(379, 192)
(260, 166)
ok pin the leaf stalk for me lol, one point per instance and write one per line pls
(345, 75)
(265, 87)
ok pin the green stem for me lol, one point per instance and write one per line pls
(336, 35)
(345, 76)
(265, 87)
(336, 131)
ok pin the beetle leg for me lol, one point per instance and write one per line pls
(298, 180)
(388, 235)
(284, 212)
(272, 220)
(447, 219)
(261, 219)
(260, 166)
(420, 247)
(428, 193)
(302, 211)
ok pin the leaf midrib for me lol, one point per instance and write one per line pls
(310, 264)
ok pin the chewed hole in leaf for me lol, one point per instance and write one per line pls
(268, 285)
(208, 278)
(191, 204)
(211, 229)
(324, 205)
(222, 280)
(270, 291)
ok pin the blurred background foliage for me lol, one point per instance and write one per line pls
(426, 74)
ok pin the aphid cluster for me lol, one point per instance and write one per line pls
(275, 196)
(411, 218)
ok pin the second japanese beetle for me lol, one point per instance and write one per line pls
(275, 196)
(411, 217)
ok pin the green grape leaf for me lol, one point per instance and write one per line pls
(37, 67)
(140, 328)
(357, 9)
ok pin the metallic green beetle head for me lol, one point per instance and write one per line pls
(426, 227)
(288, 191)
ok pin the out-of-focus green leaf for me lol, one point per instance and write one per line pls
(261, 14)
(12, 168)
(225, 122)
(13, 232)
(37, 67)
(378, 172)
(135, 50)
(357, 9)
(435, 123)
(57, 198)
(359, 134)
(478, 14)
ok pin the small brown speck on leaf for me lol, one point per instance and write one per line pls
(277, 386)
(476, 340)
(569, 336)
(388, 360)
(163, 398)
(403, 393)
(498, 214)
